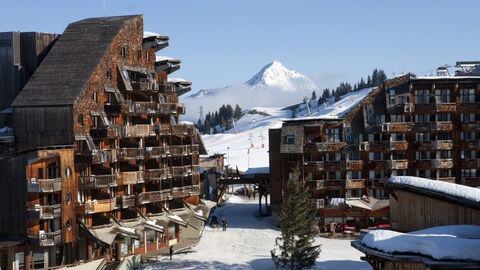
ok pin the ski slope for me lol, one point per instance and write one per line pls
(245, 148)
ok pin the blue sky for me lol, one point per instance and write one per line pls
(226, 42)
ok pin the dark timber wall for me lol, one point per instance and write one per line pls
(37, 127)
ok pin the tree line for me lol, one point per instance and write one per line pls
(223, 117)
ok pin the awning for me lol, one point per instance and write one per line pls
(139, 224)
(106, 234)
(370, 204)
(178, 219)
(201, 211)
(160, 219)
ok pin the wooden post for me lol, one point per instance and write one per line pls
(89, 250)
(11, 260)
(156, 240)
(145, 241)
(26, 255)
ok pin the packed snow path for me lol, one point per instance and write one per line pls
(247, 243)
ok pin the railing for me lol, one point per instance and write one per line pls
(447, 179)
(45, 211)
(47, 238)
(141, 130)
(379, 146)
(355, 183)
(145, 85)
(398, 145)
(130, 178)
(442, 163)
(182, 129)
(157, 151)
(329, 146)
(354, 164)
(196, 190)
(314, 165)
(166, 88)
(442, 125)
(103, 156)
(181, 108)
(44, 185)
(421, 126)
(164, 130)
(445, 107)
(167, 108)
(180, 150)
(178, 171)
(398, 126)
(98, 181)
(153, 196)
(195, 169)
(130, 153)
(128, 201)
(471, 181)
(195, 149)
(442, 144)
(471, 126)
(334, 183)
(335, 165)
(400, 164)
(142, 107)
(316, 184)
(99, 206)
(157, 174)
(376, 182)
(179, 192)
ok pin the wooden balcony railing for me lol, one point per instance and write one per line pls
(379, 146)
(471, 181)
(130, 153)
(329, 146)
(157, 151)
(145, 85)
(471, 126)
(354, 164)
(445, 107)
(46, 239)
(163, 130)
(398, 146)
(399, 164)
(103, 156)
(314, 165)
(316, 184)
(178, 171)
(375, 182)
(99, 206)
(355, 183)
(45, 211)
(195, 149)
(335, 165)
(180, 192)
(447, 179)
(141, 130)
(442, 145)
(334, 183)
(167, 108)
(398, 127)
(44, 185)
(153, 196)
(442, 126)
(183, 129)
(157, 174)
(130, 178)
(181, 108)
(180, 150)
(128, 201)
(98, 181)
(442, 163)
(142, 107)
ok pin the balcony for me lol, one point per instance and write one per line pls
(398, 127)
(183, 129)
(195, 169)
(130, 178)
(316, 184)
(153, 196)
(106, 132)
(130, 153)
(445, 107)
(47, 239)
(99, 206)
(400, 164)
(423, 164)
(44, 185)
(45, 211)
(181, 108)
(178, 171)
(313, 166)
(195, 149)
(180, 150)
(142, 130)
(334, 165)
(468, 107)
(447, 179)
(167, 108)
(378, 165)
(442, 145)
(471, 181)
(104, 156)
(375, 182)
(398, 146)
(442, 126)
(195, 190)
(472, 126)
(329, 146)
(355, 183)
(334, 183)
(141, 107)
(164, 130)
(157, 151)
(442, 163)
(145, 85)
(97, 181)
(379, 146)
(180, 192)
(157, 174)
(422, 108)
(355, 165)
(128, 201)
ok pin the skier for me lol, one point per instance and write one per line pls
(171, 252)
(224, 224)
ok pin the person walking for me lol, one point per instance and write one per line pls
(224, 224)
(171, 252)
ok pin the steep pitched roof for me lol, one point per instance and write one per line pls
(66, 69)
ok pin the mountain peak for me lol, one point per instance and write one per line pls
(276, 75)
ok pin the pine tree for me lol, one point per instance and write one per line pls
(314, 95)
(237, 113)
(199, 125)
(206, 128)
(222, 122)
(297, 217)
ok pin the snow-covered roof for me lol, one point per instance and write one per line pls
(147, 34)
(451, 189)
(177, 80)
(456, 242)
(160, 58)
(258, 170)
(445, 77)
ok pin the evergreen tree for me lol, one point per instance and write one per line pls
(228, 112)
(199, 125)
(237, 113)
(297, 217)
(216, 119)
(222, 122)
(314, 95)
(206, 128)
(369, 81)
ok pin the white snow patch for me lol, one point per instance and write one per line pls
(441, 243)
(162, 58)
(452, 189)
(149, 34)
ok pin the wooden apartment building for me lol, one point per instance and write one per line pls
(419, 126)
(102, 166)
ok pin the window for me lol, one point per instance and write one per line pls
(95, 121)
(422, 155)
(147, 56)
(424, 173)
(289, 139)
(80, 119)
(442, 117)
(109, 74)
(396, 137)
(123, 52)
(348, 134)
(397, 118)
(354, 156)
(444, 173)
(68, 172)
(392, 96)
(442, 96)
(422, 137)
(467, 135)
(469, 172)
(375, 156)
(422, 97)
(292, 158)
(443, 154)
(468, 154)
(139, 55)
(422, 118)
(467, 117)
(95, 96)
(467, 95)
(333, 135)
(443, 136)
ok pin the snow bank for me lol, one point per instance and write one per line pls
(456, 190)
(441, 243)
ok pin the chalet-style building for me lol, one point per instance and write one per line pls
(102, 166)
(418, 204)
(408, 125)
(212, 169)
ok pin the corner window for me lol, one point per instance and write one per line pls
(139, 55)
(123, 52)
(109, 74)
(289, 139)
(80, 119)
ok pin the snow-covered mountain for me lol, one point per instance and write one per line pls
(273, 86)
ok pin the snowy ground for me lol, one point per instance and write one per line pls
(245, 148)
(247, 243)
